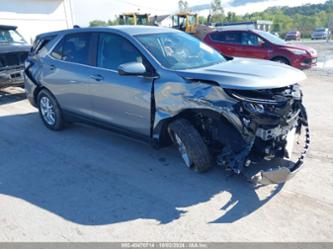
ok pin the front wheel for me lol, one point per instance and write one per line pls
(191, 146)
(281, 60)
(50, 111)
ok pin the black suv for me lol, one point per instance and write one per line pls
(13, 52)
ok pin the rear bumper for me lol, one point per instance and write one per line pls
(11, 76)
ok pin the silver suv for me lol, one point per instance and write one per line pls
(165, 86)
(321, 33)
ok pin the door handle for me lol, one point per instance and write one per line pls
(96, 77)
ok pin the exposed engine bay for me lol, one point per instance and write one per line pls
(13, 52)
(268, 117)
(252, 126)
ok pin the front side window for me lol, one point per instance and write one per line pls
(114, 50)
(191, 20)
(73, 48)
(250, 39)
(271, 38)
(179, 50)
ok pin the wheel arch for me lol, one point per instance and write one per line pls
(161, 137)
(38, 89)
(281, 57)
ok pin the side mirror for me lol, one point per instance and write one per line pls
(132, 68)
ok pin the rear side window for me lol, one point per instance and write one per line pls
(114, 50)
(74, 48)
(40, 43)
(226, 37)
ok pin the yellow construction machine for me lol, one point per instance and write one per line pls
(185, 21)
(134, 19)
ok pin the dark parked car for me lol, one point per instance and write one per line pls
(164, 86)
(261, 45)
(13, 52)
(293, 36)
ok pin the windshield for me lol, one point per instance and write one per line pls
(178, 50)
(10, 36)
(272, 38)
(320, 30)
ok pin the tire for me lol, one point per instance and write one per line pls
(281, 60)
(50, 111)
(190, 144)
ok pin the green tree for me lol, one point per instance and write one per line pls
(202, 20)
(115, 21)
(217, 11)
(96, 23)
(232, 17)
(183, 6)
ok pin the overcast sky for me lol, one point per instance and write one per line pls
(87, 10)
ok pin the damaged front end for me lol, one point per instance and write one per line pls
(271, 118)
(13, 52)
(11, 68)
(241, 128)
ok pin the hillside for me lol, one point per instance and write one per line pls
(304, 18)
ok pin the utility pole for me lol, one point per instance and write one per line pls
(330, 28)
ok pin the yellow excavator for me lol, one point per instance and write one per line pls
(189, 23)
(134, 19)
(186, 22)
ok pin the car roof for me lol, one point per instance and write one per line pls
(126, 29)
(8, 27)
(236, 29)
(138, 30)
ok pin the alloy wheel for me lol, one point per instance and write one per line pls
(47, 110)
(183, 151)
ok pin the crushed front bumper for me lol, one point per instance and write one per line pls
(284, 173)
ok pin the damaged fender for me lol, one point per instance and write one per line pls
(266, 129)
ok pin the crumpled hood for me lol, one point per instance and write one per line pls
(14, 47)
(247, 74)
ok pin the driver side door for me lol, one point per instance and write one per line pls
(252, 46)
(120, 100)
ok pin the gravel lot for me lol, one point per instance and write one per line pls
(88, 184)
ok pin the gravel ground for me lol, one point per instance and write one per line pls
(88, 184)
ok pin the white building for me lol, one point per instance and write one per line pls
(33, 17)
(163, 21)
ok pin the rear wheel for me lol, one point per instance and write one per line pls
(49, 110)
(191, 146)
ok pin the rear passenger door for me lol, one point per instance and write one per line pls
(123, 101)
(67, 71)
(227, 42)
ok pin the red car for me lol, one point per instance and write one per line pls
(261, 45)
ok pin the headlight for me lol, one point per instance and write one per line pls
(254, 107)
(297, 51)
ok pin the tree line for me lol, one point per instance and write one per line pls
(303, 18)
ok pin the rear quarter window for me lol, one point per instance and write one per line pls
(226, 37)
(40, 44)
